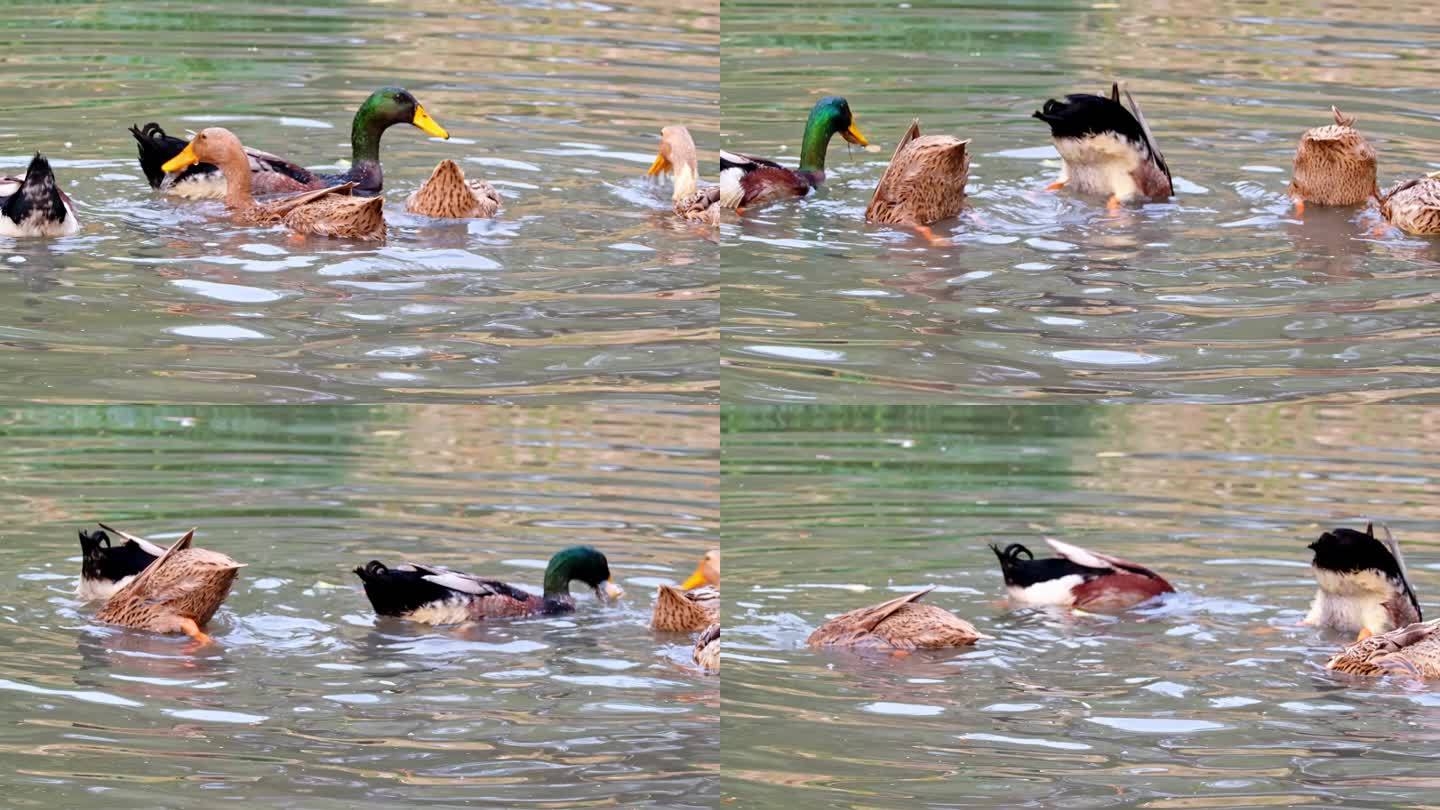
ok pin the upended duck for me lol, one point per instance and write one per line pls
(433, 595)
(747, 181)
(178, 593)
(677, 156)
(1363, 586)
(900, 624)
(327, 212)
(448, 195)
(1412, 651)
(695, 604)
(271, 174)
(1413, 205)
(1334, 166)
(924, 183)
(106, 567)
(34, 205)
(1106, 149)
(1077, 578)
(707, 648)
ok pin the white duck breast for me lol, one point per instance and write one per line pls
(1351, 602)
(100, 590)
(1100, 164)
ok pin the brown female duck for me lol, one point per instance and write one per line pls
(707, 648)
(1413, 206)
(448, 195)
(924, 183)
(901, 624)
(1412, 651)
(178, 593)
(1334, 165)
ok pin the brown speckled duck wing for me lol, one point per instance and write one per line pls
(279, 208)
(883, 200)
(856, 628)
(1405, 607)
(1156, 183)
(1382, 654)
(140, 591)
(680, 611)
(918, 626)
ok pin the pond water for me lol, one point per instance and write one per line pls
(1211, 697)
(584, 286)
(1218, 295)
(306, 699)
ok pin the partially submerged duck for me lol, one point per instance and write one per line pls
(748, 181)
(681, 611)
(1363, 587)
(178, 593)
(106, 567)
(1105, 148)
(34, 205)
(901, 624)
(706, 573)
(270, 174)
(1334, 165)
(924, 183)
(707, 648)
(327, 212)
(1077, 578)
(1412, 651)
(434, 595)
(448, 195)
(677, 157)
(1413, 206)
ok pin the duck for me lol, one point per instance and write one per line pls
(330, 211)
(106, 567)
(448, 195)
(900, 625)
(430, 594)
(1412, 651)
(707, 648)
(1077, 578)
(1363, 586)
(1334, 166)
(34, 205)
(1413, 205)
(685, 611)
(677, 157)
(1106, 149)
(924, 183)
(706, 573)
(177, 593)
(271, 174)
(747, 181)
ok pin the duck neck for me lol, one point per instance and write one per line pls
(236, 169)
(815, 143)
(365, 135)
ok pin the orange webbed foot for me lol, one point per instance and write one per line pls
(193, 630)
(1299, 207)
(1055, 186)
(1114, 203)
(929, 236)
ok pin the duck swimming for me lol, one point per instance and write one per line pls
(106, 568)
(677, 156)
(1412, 651)
(1105, 148)
(434, 595)
(1363, 586)
(34, 205)
(1077, 578)
(1413, 206)
(271, 174)
(901, 624)
(748, 181)
(1334, 165)
(327, 212)
(178, 593)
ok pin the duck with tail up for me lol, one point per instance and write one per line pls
(1363, 585)
(448, 195)
(330, 212)
(106, 567)
(924, 183)
(34, 205)
(747, 181)
(1334, 166)
(271, 174)
(899, 625)
(178, 593)
(433, 595)
(695, 604)
(1106, 149)
(1077, 578)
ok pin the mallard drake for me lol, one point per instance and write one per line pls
(899, 624)
(1105, 148)
(448, 195)
(1334, 165)
(433, 595)
(678, 611)
(677, 156)
(1077, 578)
(270, 174)
(706, 573)
(747, 181)
(106, 568)
(924, 183)
(1411, 651)
(34, 205)
(707, 648)
(1413, 206)
(1363, 585)
(326, 212)
(178, 593)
